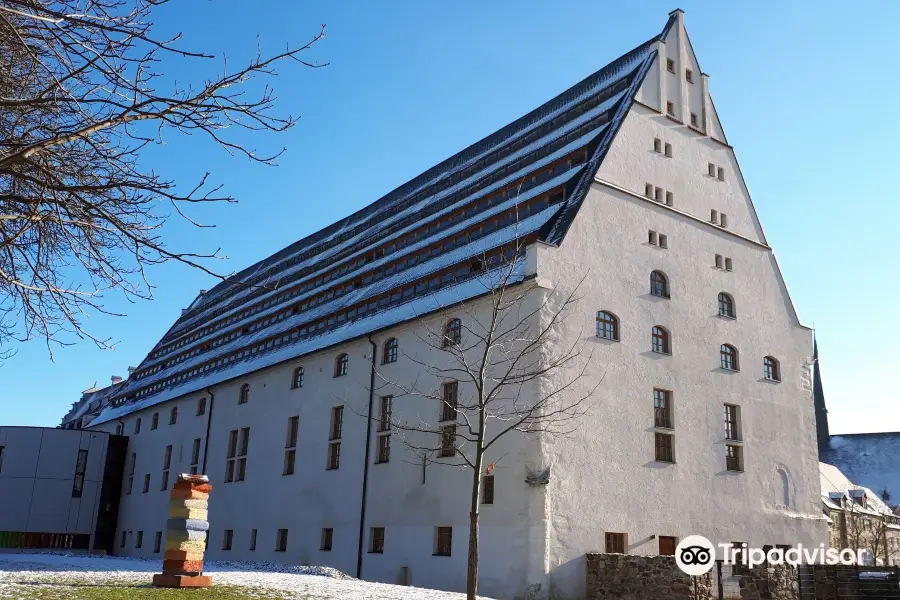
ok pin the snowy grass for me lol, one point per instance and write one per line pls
(59, 576)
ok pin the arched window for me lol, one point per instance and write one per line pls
(173, 415)
(297, 378)
(119, 429)
(785, 481)
(729, 357)
(340, 365)
(452, 333)
(659, 285)
(244, 398)
(390, 351)
(771, 369)
(607, 326)
(155, 422)
(137, 426)
(661, 340)
(726, 305)
(201, 406)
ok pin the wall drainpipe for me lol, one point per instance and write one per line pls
(365, 484)
(212, 399)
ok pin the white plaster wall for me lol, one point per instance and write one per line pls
(606, 478)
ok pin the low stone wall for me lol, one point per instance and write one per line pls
(628, 577)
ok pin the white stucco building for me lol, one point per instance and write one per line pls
(703, 422)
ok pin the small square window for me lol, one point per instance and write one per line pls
(723, 220)
(281, 540)
(694, 120)
(658, 194)
(663, 241)
(670, 198)
(711, 169)
(657, 145)
(689, 77)
(227, 539)
(728, 264)
(615, 543)
(670, 65)
(653, 238)
(665, 451)
(648, 190)
(669, 150)
(667, 543)
(734, 457)
(721, 173)
(719, 262)
(713, 216)
(670, 109)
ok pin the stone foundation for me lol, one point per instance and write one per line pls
(628, 577)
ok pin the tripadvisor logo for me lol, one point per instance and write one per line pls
(695, 555)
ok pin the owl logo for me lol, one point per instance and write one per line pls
(695, 555)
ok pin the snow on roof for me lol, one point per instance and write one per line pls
(870, 459)
(91, 400)
(211, 341)
(836, 485)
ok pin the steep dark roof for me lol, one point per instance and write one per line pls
(524, 182)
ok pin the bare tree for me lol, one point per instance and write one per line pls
(866, 529)
(82, 93)
(503, 368)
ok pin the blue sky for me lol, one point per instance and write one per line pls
(804, 90)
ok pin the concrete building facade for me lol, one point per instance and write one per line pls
(624, 187)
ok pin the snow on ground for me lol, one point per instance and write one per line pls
(319, 583)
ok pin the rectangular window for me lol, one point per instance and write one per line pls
(129, 485)
(615, 543)
(448, 440)
(689, 77)
(653, 238)
(658, 194)
(201, 406)
(670, 198)
(227, 539)
(657, 145)
(443, 541)
(195, 456)
(723, 220)
(337, 422)
(662, 408)
(327, 538)
(157, 542)
(384, 449)
(711, 169)
(290, 445)
(236, 459)
(281, 540)
(146, 483)
(728, 264)
(670, 109)
(713, 216)
(167, 463)
(376, 540)
(384, 414)
(670, 65)
(648, 190)
(719, 262)
(669, 150)
(334, 455)
(2, 448)
(734, 457)
(694, 120)
(487, 489)
(664, 450)
(80, 466)
(124, 535)
(139, 540)
(450, 401)
(663, 241)
(732, 422)
(721, 174)
(667, 545)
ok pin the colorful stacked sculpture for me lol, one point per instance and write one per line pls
(186, 532)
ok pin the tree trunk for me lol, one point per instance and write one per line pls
(472, 567)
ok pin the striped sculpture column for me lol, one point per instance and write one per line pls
(186, 532)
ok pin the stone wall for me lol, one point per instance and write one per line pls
(628, 577)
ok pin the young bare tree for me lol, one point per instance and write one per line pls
(866, 530)
(503, 368)
(82, 93)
